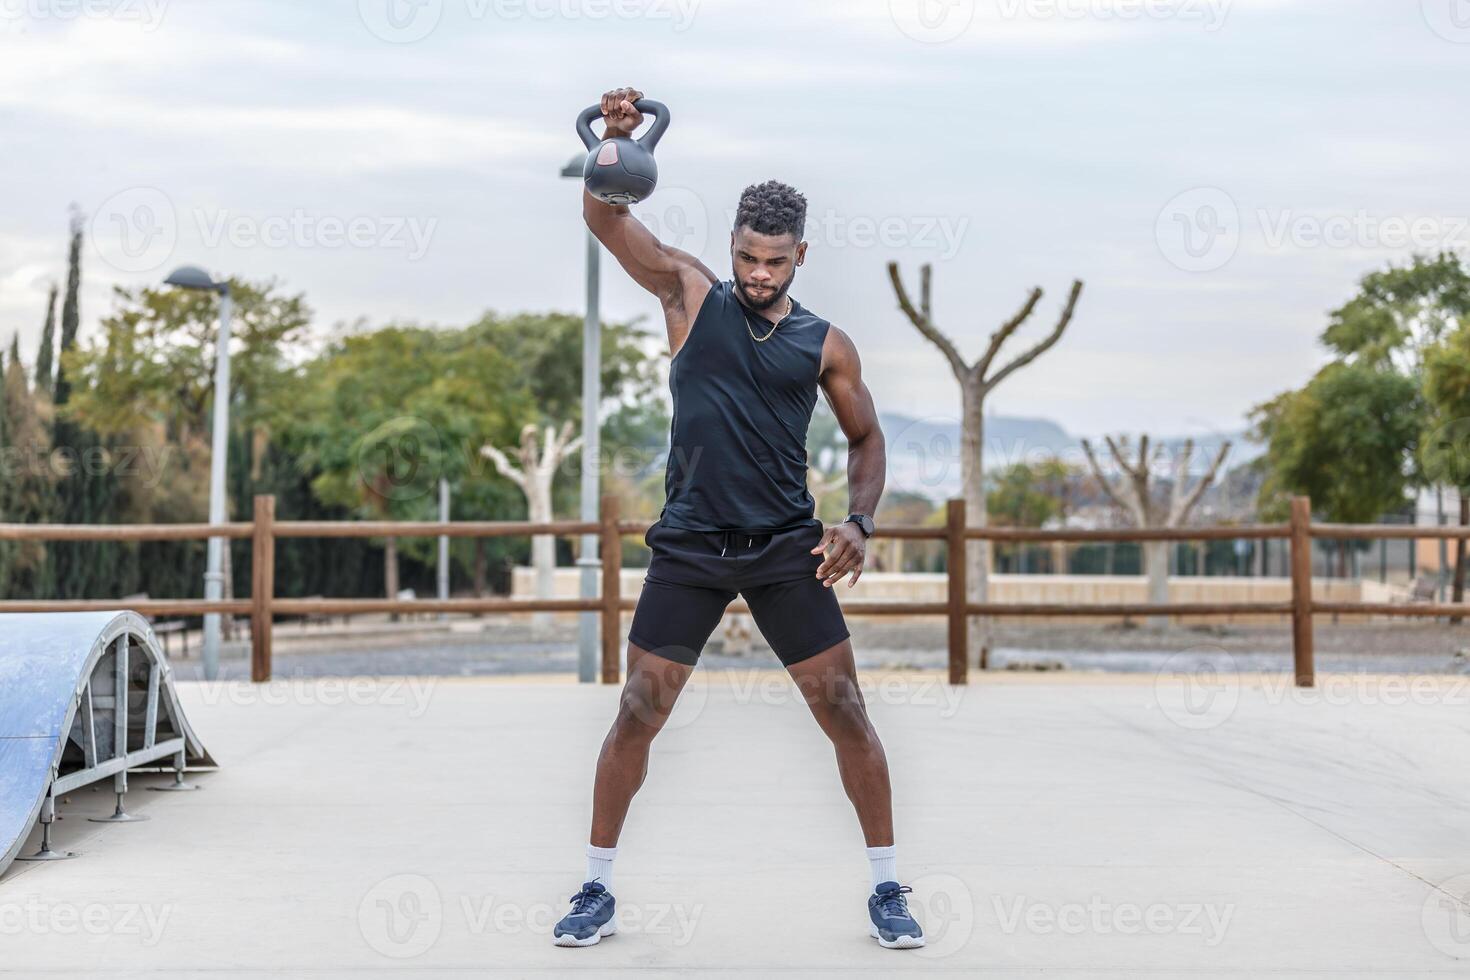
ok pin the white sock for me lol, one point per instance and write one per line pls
(884, 863)
(599, 865)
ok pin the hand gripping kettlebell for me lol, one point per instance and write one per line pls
(622, 170)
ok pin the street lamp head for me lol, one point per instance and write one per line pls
(193, 277)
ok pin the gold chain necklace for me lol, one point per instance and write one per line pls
(762, 340)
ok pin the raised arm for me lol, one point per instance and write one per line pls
(678, 279)
(841, 379)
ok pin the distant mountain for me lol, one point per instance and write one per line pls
(924, 453)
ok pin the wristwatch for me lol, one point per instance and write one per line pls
(864, 523)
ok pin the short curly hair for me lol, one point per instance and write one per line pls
(772, 208)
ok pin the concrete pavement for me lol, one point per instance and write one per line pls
(1193, 824)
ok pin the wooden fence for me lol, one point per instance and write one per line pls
(264, 531)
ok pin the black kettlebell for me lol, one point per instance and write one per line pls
(622, 170)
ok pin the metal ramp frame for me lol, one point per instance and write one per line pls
(83, 696)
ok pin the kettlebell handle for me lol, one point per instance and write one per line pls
(646, 106)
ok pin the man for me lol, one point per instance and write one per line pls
(747, 361)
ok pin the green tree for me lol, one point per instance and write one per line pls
(381, 417)
(1344, 440)
(45, 358)
(71, 310)
(1401, 312)
(1444, 447)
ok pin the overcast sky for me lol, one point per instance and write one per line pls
(1219, 173)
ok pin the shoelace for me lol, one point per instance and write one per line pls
(585, 901)
(893, 903)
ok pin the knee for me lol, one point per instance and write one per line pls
(844, 717)
(639, 713)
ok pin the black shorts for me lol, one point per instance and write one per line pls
(694, 575)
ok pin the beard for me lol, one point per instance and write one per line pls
(763, 301)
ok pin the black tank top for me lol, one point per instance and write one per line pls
(737, 455)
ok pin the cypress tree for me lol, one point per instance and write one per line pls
(88, 494)
(71, 307)
(45, 361)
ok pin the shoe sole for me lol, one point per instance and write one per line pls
(902, 942)
(607, 929)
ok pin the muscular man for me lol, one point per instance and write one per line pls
(747, 362)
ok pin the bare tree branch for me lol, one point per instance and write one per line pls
(1120, 455)
(1046, 344)
(503, 466)
(1204, 482)
(1008, 328)
(1102, 479)
(921, 321)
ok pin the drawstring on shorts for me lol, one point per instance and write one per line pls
(725, 545)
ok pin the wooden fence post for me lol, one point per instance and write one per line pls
(611, 547)
(262, 588)
(1301, 591)
(959, 622)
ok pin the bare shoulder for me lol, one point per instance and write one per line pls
(839, 354)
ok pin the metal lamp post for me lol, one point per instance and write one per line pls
(192, 277)
(587, 652)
